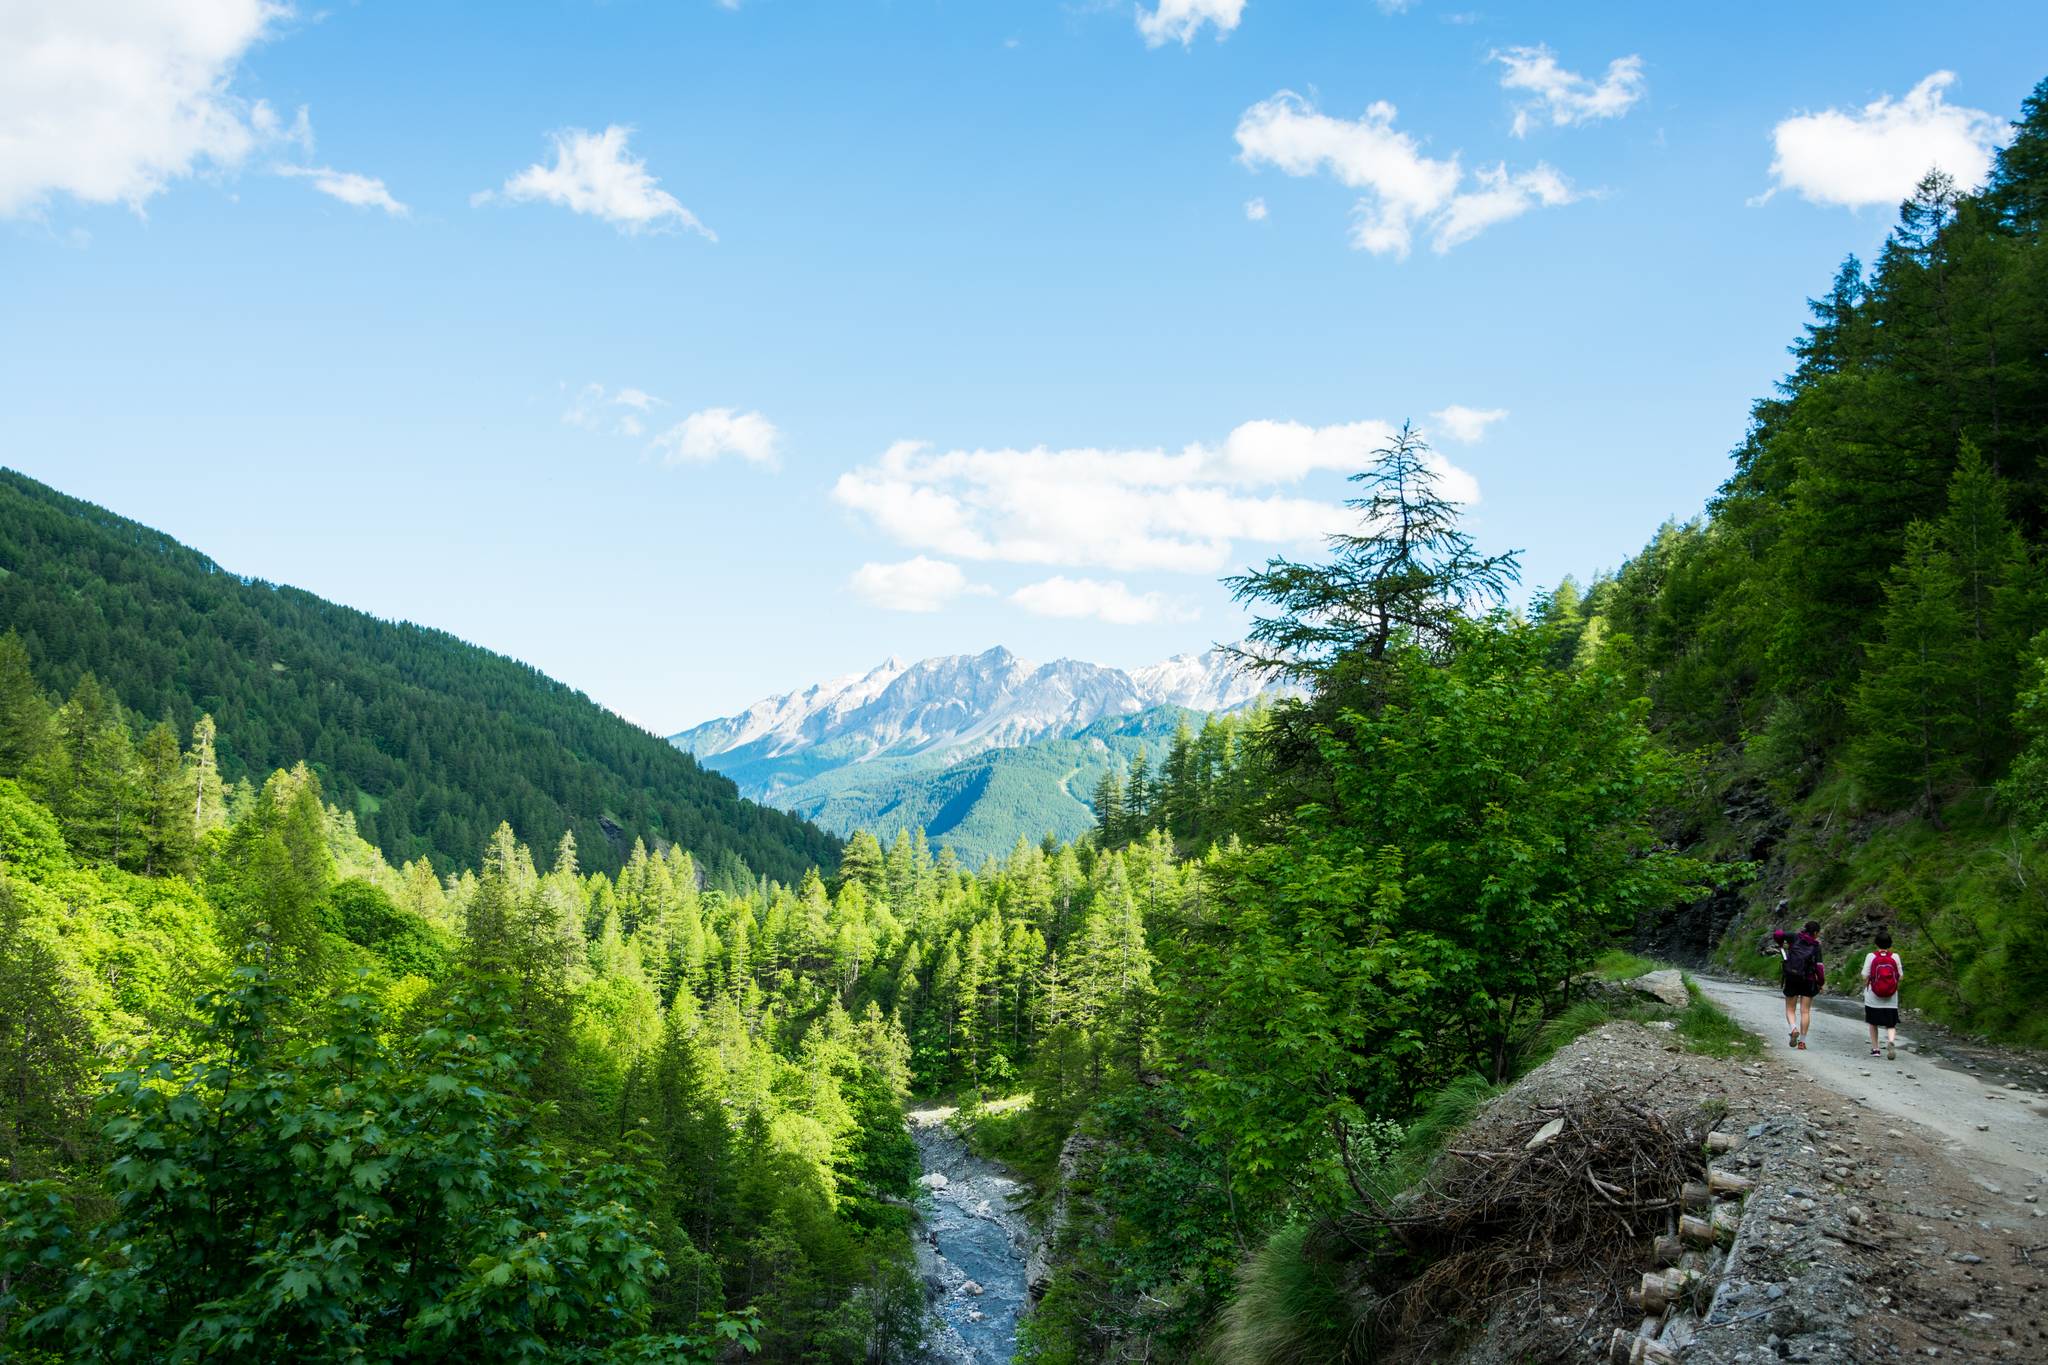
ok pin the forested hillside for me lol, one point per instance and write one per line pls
(1854, 627)
(428, 741)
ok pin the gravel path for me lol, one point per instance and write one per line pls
(1982, 1117)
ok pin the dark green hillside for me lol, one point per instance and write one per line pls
(429, 740)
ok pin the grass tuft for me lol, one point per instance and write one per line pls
(1707, 1029)
(1620, 965)
(1289, 1309)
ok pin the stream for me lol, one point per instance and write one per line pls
(971, 1247)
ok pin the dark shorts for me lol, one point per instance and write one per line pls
(1796, 989)
(1884, 1016)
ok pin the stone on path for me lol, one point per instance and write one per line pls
(1666, 985)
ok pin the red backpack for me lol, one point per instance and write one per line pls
(1884, 974)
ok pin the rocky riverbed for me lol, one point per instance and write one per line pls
(971, 1247)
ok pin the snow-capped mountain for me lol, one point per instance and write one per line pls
(951, 707)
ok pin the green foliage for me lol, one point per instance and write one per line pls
(337, 1195)
(1488, 833)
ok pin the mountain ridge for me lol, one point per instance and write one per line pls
(977, 749)
(956, 705)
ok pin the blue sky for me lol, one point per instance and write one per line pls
(919, 327)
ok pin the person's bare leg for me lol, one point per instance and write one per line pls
(1805, 1016)
(1873, 1040)
(1792, 1018)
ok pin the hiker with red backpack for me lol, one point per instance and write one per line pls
(1804, 975)
(1881, 977)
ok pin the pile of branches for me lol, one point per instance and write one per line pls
(1569, 1192)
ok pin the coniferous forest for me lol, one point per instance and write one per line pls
(373, 998)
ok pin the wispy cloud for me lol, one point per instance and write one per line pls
(1876, 154)
(1565, 99)
(1405, 191)
(109, 103)
(714, 432)
(361, 191)
(1466, 425)
(594, 407)
(1255, 209)
(1090, 598)
(595, 174)
(917, 585)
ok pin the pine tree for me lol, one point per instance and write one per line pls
(88, 776)
(165, 804)
(1409, 571)
(2019, 184)
(24, 715)
(1835, 339)
(1991, 569)
(1109, 809)
(209, 796)
(1911, 707)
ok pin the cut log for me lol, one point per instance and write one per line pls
(1727, 1220)
(1660, 1288)
(1722, 1142)
(1694, 1195)
(1727, 1184)
(1698, 1231)
(1666, 1250)
(1619, 1347)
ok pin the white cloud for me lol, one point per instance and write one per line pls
(1178, 21)
(108, 101)
(595, 174)
(618, 411)
(1566, 98)
(1405, 190)
(1461, 423)
(1395, 6)
(1120, 509)
(706, 435)
(918, 584)
(1078, 598)
(362, 191)
(1876, 154)
(1499, 197)
(1255, 209)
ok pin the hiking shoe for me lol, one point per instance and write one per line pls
(1891, 1052)
(1791, 1040)
(1873, 1052)
(1801, 1045)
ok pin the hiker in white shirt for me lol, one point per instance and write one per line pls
(1881, 977)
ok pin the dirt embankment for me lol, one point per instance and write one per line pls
(1867, 1234)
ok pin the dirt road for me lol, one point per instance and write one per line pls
(1985, 1120)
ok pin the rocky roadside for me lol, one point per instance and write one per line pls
(1862, 1239)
